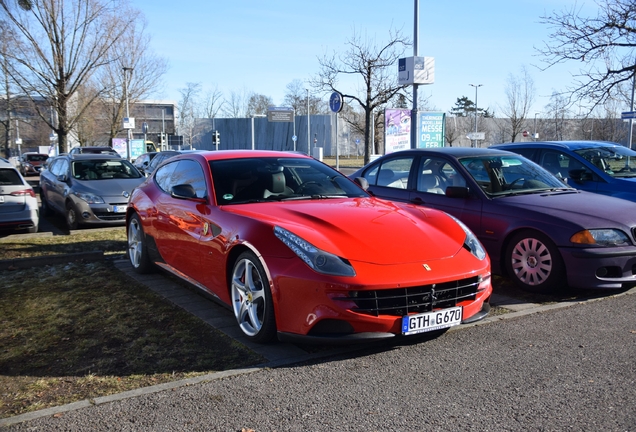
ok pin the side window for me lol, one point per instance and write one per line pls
(182, 172)
(435, 175)
(555, 162)
(163, 176)
(60, 167)
(190, 172)
(393, 173)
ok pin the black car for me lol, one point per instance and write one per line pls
(160, 157)
(537, 230)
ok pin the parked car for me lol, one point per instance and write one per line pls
(32, 163)
(594, 166)
(299, 251)
(19, 208)
(143, 161)
(537, 230)
(94, 150)
(162, 156)
(88, 189)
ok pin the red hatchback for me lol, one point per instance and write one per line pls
(299, 251)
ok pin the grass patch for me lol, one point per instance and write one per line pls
(112, 241)
(83, 330)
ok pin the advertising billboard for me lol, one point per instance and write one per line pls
(431, 129)
(397, 129)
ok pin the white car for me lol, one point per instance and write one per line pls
(18, 203)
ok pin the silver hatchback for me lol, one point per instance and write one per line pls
(88, 189)
(18, 203)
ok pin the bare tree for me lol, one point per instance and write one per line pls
(604, 45)
(65, 42)
(188, 110)
(375, 65)
(257, 104)
(212, 103)
(556, 113)
(131, 51)
(236, 105)
(520, 93)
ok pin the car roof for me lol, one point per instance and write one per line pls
(91, 156)
(6, 164)
(571, 145)
(457, 152)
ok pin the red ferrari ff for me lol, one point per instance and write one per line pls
(299, 251)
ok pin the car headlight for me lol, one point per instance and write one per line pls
(89, 197)
(319, 260)
(470, 242)
(601, 237)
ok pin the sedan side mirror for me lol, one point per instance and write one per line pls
(457, 191)
(580, 174)
(362, 182)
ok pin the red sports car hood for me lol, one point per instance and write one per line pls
(364, 229)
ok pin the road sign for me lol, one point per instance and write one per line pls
(476, 136)
(280, 114)
(626, 115)
(335, 102)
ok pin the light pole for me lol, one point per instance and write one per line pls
(534, 136)
(126, 69)
(476, 87)
(308, 129)
(255, 115)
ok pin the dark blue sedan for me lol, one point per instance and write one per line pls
(536, 229)
(595, 166)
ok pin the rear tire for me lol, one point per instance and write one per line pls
(137, 248)
(533, 262)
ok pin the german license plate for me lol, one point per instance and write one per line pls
(429, 321)
(119, 209)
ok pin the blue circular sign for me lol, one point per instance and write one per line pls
(335, 102)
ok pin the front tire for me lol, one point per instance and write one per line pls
(137, 248)
(252, 300)
(71, 217)
(533, 262)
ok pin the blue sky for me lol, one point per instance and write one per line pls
(261, 46)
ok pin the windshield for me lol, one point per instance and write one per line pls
(104, 169)
(615, 161)
(36, 157)
(509, 175)
(238, 181)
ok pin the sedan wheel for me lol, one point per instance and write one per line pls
(252, 299)
(137, 249)
(534, 263)
(71, 217)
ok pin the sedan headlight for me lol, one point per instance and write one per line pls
(470, 242)
(89, 197)
(319, 260)
(601, 237)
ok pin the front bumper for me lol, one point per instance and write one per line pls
(600, 268)
(112, 213)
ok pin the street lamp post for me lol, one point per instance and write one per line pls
(476, 87)
(129, 138)
(308, 128)
(534, 136)
(255, 115)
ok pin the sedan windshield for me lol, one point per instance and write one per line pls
(237, 181)
(104, 169)
(615, 161)
(507, 175)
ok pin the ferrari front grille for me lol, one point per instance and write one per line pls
(418, 299)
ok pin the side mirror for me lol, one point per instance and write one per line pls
(580, 175)
(362, 182)
(457, 191)
(185, 191)
(62, 178)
